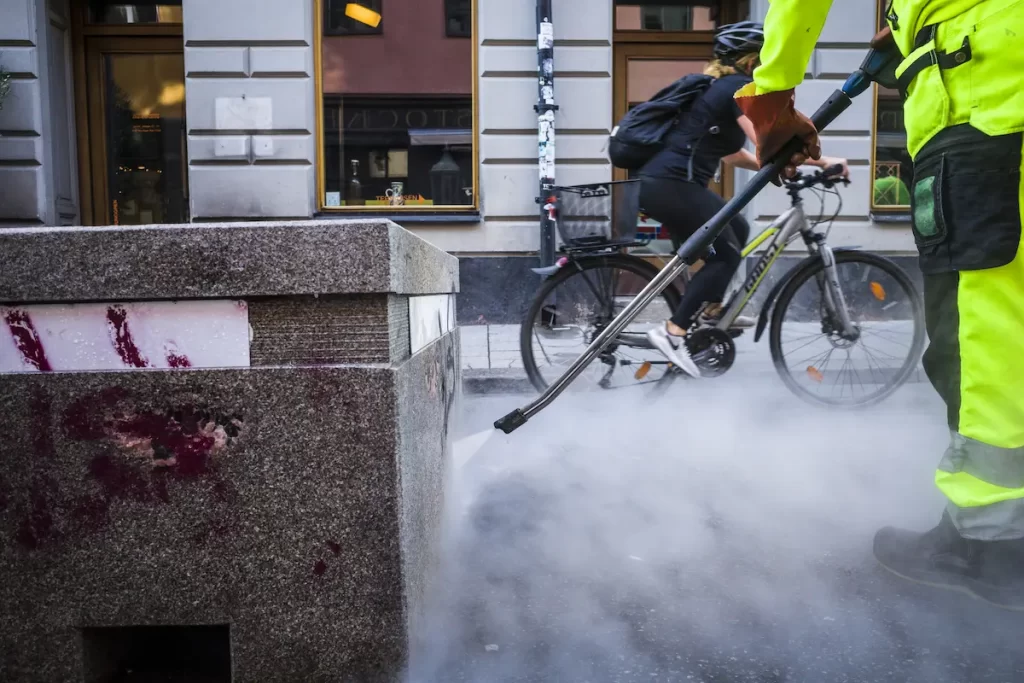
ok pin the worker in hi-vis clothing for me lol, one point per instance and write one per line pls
(962, 83)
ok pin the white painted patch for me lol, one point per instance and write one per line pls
(81, 337)
(430, 317)
(244, 113)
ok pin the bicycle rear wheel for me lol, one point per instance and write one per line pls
(816, 363)
(574, 306)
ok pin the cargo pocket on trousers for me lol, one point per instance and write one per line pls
(928, 219)
(966, 202)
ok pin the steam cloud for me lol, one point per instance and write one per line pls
(721, 533)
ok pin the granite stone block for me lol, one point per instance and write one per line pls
(323, 330)
(220, 260)
(301, 506)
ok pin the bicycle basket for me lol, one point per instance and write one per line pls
(599, 214)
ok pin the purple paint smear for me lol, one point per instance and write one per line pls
(27, 340)
(177, 360)
(124, 344)
(150, 451)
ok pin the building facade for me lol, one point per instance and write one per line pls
(181, 111)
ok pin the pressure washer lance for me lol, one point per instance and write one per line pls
(878, 67)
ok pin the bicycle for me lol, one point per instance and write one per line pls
(855, 289)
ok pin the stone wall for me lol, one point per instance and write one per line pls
(244, 426)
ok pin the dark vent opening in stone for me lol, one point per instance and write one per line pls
(157, 654)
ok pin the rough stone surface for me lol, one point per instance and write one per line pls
(306, 519)
(423, 427)
(220, 260)
(324, 330)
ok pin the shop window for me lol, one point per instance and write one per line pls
(153, 12)
(344, 18)
(458, 18)
(667, 15)
(397, 131)
(892, 170)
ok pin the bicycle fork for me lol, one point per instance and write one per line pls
(833, 294)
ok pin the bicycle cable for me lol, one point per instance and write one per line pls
(820, 193)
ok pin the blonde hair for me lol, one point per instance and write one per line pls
(716, 68)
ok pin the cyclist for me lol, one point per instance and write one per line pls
(964, 111)
(674, 184)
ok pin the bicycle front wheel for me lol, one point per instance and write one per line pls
(574, 305)
(822, 367)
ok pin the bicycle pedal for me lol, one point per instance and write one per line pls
(642, 371)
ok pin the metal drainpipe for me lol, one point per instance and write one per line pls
(546, 109)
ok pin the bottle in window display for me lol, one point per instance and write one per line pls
(354, 188)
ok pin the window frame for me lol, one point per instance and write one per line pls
(473, 208)
(891, 210)
(377, 30)
(472, 22)
(729, 11)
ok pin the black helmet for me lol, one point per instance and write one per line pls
(736, 40)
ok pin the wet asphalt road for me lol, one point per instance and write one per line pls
(720, 534)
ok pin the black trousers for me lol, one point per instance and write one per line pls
(682, 207)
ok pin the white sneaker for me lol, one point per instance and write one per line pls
(673, 348)
(741, 322)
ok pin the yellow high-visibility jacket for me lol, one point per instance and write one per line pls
(985, 91)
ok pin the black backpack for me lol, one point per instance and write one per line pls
(640, 133)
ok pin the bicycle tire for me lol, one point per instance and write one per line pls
(809, 269)
(631, 264)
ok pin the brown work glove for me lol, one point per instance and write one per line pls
(776, 122)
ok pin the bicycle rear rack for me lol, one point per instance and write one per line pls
(879, 59)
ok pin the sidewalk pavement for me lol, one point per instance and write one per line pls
(491, 362)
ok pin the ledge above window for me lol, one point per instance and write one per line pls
(403, 217)
(890, 216)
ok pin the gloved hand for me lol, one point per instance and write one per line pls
(776, 121)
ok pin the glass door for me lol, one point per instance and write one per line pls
(641, 69)
(137, 134)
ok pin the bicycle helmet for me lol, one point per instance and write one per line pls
(735, 40)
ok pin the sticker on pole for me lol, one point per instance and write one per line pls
(546, 36)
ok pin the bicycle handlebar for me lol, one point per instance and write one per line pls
(829, 178)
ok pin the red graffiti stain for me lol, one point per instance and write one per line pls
(36, 524)
(36, 527)
(124, 343)
(152, 449)
(176, 360)
(26, 338)
(319, 568)
(84, 420)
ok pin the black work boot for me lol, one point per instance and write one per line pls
(990, 570)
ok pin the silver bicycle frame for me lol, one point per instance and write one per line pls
(789, 225)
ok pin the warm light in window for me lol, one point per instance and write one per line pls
(363, 15)
(171, 94)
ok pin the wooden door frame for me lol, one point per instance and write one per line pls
(623, 52)
(84, 36)
(96, 48)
